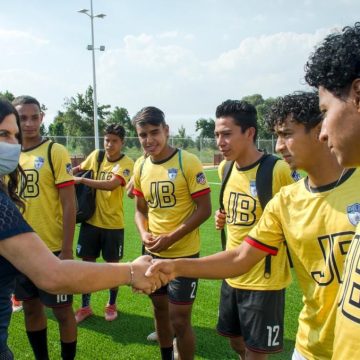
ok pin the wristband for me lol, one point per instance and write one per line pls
(131, 283)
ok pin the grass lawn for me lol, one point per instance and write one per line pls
(125, 338)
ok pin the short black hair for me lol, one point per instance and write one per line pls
(243, 113)
(149, 115)
(302, 107)
(115, 129)
(24, 100)
(335, 64)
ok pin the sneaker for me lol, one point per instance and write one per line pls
(83, 313)
(110, 312)
(16, 304)
(152, 337)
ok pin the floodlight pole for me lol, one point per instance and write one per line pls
(96, 122)
(92, 48)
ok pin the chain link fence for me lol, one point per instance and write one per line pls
(204, 148)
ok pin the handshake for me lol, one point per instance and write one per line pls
(147, 274)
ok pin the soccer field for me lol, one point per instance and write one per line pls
(125, 338)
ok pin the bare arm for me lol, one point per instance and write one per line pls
(67, 199)
(31, 256)
(76, 169)
(222, 265)
(109, 185)
(201, 213)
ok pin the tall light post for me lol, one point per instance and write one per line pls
(92, 48)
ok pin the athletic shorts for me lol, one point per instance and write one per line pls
(181, 290)
(93, 240)
(257, 316)
(25, 289)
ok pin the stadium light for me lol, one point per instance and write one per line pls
(91, 47)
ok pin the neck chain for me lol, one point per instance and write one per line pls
(336, 184)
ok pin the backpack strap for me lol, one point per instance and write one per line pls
(100, 158)
(224, 179)
(264, 182)
(51, 143)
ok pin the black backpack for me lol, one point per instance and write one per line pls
(264, 180)
(85, 195)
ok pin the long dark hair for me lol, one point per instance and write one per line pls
(17, 180)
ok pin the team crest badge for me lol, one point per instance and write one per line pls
(200, 178)
(253, 190)
(115, 168)
(39, 162)
(172, 173)
(126, 172)
(353, 212)
(69, 169)
(295, 175)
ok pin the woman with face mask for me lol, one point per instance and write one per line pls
(21, 250)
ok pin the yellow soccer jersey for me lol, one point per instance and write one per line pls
(347, 329)
(169, 193)
(243, 211)
(109, 212)
(43, 206)
(318, 228)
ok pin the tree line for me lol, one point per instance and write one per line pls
(76, 120)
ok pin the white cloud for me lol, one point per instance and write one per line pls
(11, 36)
(179, 82)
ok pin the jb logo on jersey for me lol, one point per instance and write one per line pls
(353, 212)
(38, 162)
(172, 173)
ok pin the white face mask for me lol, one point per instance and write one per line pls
(9, 157)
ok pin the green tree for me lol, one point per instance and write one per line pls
(7, 95)
(181, 139)
(206, 128)
(77, 121)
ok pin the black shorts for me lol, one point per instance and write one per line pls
(181, 290)
(25, 289)
(257, 316)
(93, 240)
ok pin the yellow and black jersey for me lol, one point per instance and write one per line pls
(109, 211)
(43, 207)
(243, 211)
(169, 190)
(347, 329)
(318, 226)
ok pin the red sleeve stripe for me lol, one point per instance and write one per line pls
(269, 249)
(138, 193)
(200, 193)
(122, 180)
(65, 184)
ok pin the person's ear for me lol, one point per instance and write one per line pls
(355, 87)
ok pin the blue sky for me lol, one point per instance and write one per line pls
(184, 57)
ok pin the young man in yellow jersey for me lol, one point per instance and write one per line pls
(334, 68)
(254, 302)
(50, 210)
(172, 201)
(309, 217)
(104, 231)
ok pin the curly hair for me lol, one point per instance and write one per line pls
(115, 129)
(16, 183)
(336, 62)
(243, 113)
(303, 107)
